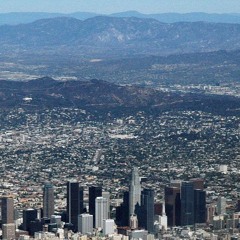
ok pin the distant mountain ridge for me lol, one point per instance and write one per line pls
(130, 35)
(15, 18)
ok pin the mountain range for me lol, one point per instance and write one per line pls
(121, 35)
(28, 17)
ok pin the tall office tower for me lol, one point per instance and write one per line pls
(176, 183)
(85, 223)
(163, 218)
(107, 196)
(187, 203)
(29, 215)
(101, 211)
(8, 231)
(198, 183)
(199, 206)
(173, 206)
(7, 210)
(210, 213)
(133, 222)
(108, 226)
(94, 192)
(74, 203)
(122, 212)
(221, 205)
(48, 200)
(134, 191)
(145, 212)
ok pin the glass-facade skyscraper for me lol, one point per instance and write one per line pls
(134, 191)
(146, 214)
(187, 203)
(48, 200)
(74, 203)
(94, 192)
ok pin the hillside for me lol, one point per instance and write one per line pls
(104, 96)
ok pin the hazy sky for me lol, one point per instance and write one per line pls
(110, 6)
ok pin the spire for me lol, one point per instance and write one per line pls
(163, 210)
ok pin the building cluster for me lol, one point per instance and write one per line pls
(187, 212)
(67, 145)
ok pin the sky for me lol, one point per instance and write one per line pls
(111, 6)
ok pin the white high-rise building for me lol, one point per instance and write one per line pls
(134, 191)
(108, 226)
(163, 218)
(133, 222)
(107, 196)
(101, 211)
(85, 223)
(221, 205)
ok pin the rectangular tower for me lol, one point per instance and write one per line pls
(134, 191)
(173, 206)
(48, 200)
(101, 211)
(85, 223)
(199, 206)
(29, 215)
(187, 203)
(94, 192)
(146, 211)
(74, 203)
(7, 210)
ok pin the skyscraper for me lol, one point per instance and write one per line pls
(94, 192)
(173, 205)
(29, 215)
(8, 231)
(107, 196)
(48, 200)
(122, 212)
(134, 191)
(101, 211)
(146, 211)
(221, 205)
(187, 203)
(85, 223)
(108, 226)
(198, 183)
(74, 203)
(7, 210)
(199, 206)
(163, 218)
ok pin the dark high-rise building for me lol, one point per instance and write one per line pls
(158, 207)
(122, 212)
(29, 215)
(198, 183)
(94, 192)
(74, 203)
(48, 200)
(7, 210)
(173, 206)
(187, 203)
(35, 226)
(199, 206)
(145, 212)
